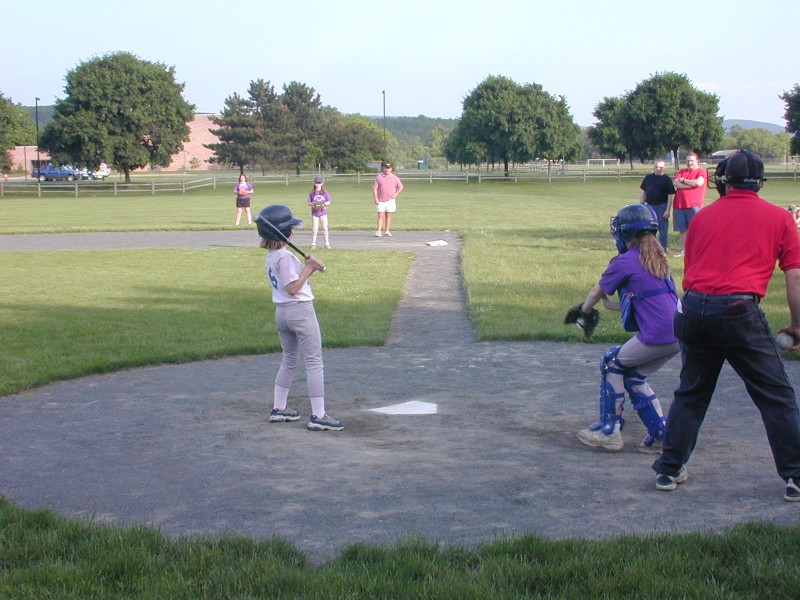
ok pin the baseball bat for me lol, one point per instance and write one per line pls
(288, 242)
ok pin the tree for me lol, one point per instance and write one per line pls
(16, 129)
(303, 111)
(792, 116)
(460, 149)
(350, 142)
(663, 113)
(267, 127)
(560, 134)
(121, 110)
(606, 134)
(760, 141)
(508, 122)
(666, 112)
(244, 127)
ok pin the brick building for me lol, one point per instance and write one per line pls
(23, 158)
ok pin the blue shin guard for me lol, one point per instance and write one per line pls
(608, 395)
(643, 405)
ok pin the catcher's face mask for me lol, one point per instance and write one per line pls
(629, 222)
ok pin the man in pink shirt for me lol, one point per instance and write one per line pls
(385, 190)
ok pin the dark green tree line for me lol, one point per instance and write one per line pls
(759, 141)
(292, 129)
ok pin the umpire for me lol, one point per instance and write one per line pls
(658, 191)
(731, 250)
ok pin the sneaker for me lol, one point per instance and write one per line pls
(281, 415)
(667, 483)
(313, 246)
(328, 246)
(377, 234)
(653, 447)
(388, 234)
(597, 439)
(324, 423)
(792, 493)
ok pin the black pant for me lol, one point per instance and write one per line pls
(711, 330)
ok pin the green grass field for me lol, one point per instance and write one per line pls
(531, 249)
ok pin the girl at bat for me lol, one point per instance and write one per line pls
(641, 275)
(295, 319)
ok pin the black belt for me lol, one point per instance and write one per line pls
(724, 297)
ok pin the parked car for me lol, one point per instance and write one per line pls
(50, 172)
(101, 172)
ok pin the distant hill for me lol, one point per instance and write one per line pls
(45, 114)
(412, 129)
(745, 124)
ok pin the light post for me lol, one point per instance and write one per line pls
(38, 162)
(384, 126)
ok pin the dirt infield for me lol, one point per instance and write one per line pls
(188, 449)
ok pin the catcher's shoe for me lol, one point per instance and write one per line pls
(282, 415)
(598, 439)
(653, 447)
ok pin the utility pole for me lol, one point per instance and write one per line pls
(384, 127)
(38, 162)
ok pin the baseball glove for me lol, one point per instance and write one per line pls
(318, 205)
(586, 321)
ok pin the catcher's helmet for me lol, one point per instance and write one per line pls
(281, 217)
(630, 221)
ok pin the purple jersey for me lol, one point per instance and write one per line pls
(653, 313)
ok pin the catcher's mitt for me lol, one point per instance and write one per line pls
(586, 321)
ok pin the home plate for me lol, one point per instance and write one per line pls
(413, 407)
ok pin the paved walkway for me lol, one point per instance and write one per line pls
(188, 449)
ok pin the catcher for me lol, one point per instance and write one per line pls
(641, 272)
(319, 199)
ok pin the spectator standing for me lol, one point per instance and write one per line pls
(385, 190)
(690, 191)
(658, 192)
(731, 251)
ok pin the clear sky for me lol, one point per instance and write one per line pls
(426, 55)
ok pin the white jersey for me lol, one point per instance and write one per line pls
(283, 268)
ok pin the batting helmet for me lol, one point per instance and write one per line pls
(630, 221)
(280, 217)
